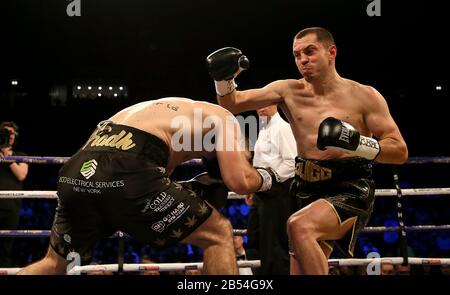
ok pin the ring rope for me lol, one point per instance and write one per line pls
(238, 232)
(234, 196)
(428, 160)
(9, 271)
(28, 195)
(39, 233)
(164, 267)
(390, 260)
(115, 267)
(34, 160)
(193, 162)
(161, 267)
(377, 229)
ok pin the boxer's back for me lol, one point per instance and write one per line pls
(167, 117)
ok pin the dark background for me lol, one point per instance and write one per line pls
(157, 48)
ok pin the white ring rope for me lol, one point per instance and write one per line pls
(240, 232)
(234, 196)
(390, 260)
(161, 267)
(34, 159)
(28, 195)
(165, 267)
(9, 271)
(376, 229)
(193, 162)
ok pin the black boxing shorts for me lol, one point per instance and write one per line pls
(118, 181)
(345, 184)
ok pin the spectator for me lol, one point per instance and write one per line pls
(387, 269)
(12, 176)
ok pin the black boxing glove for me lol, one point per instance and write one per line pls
(223, 66)
(212, 167)
(269, 178)
(340, 135)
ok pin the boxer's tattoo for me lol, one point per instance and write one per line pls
(173, 107)
(169, 106)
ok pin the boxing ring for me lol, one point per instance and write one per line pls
(397, 192)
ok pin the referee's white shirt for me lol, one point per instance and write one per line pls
(276, 147)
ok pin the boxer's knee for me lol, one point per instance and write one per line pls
(214, 231)
(222, 229)
(55, 261)
(300, 227)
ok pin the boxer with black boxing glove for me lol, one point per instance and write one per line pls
(223, 66)
(210, 186)
(340, 135)
(120, 180)
(333, 165)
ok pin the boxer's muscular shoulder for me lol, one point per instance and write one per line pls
(359, 89)
(368, 95)
(285, 84)
(213, 109)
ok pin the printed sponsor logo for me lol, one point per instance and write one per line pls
(91, 187)
(345, 133)
(175, 213)
(121, 141)
(431, 261)
(158, 226)
(88, 168)
(369, 142)
(161, 203)
(312, 172)
(149, 267)
(171, 217)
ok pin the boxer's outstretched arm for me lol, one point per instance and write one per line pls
(235, 168)
(237, 173)
(234, 161)
(224, 65)
(252, 99)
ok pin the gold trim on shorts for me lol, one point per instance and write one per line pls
(355, 218)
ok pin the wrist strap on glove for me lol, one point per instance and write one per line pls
(225, 87)
(268, 176)
(368, 148)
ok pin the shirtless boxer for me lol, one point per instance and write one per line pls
(334, 121)
(119, 180)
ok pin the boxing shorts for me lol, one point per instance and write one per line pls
(118, 181)
(345, 184)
